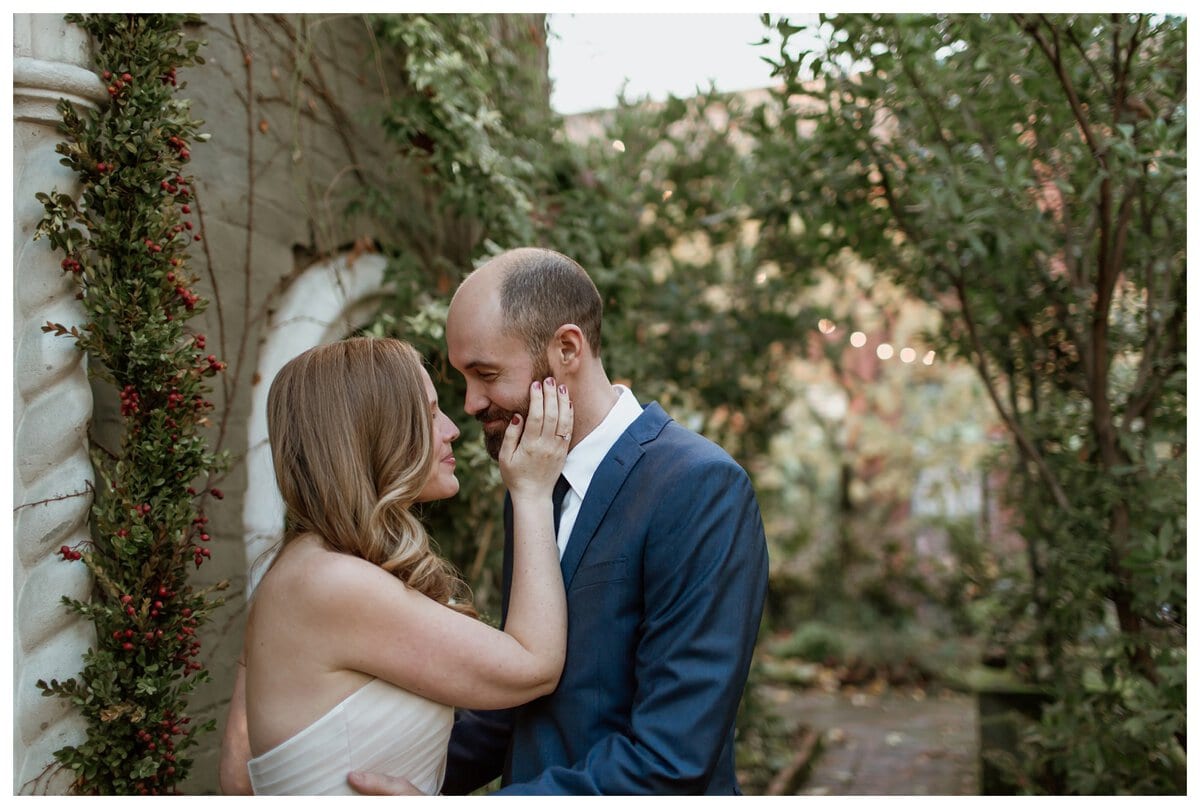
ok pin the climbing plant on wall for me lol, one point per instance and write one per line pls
(125, 242)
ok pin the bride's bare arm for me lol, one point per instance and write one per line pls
(375, 624)
(537, 605)
(235, 743)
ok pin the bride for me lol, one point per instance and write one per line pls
(359, 636)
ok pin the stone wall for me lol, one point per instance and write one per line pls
(282, 97)
(287, 100)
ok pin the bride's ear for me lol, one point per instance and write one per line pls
(567, 349)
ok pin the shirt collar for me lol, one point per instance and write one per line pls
(584, 459)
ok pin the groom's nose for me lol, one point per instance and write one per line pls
(475, 402)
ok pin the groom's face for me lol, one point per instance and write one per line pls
(503, 400)
(496, 366)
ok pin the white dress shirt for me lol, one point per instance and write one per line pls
(585, 458)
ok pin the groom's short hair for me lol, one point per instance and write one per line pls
(542, 290)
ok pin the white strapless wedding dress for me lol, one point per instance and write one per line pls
(379, 728)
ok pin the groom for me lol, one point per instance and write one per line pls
(663, 558)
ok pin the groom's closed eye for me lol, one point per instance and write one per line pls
(480, 372)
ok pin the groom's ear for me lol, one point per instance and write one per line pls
(567, 348)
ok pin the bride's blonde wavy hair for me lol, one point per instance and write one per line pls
(352, 445)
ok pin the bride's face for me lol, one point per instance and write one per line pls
(442, 483)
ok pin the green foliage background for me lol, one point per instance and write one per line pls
(1026, 174)
(1022, 176)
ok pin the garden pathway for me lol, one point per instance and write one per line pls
(896, 742)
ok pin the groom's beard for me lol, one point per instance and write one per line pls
(494, 440)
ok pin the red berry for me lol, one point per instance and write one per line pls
(186, 209)
(127, 646)
(106, 75)
(126, 77)
(217, 493)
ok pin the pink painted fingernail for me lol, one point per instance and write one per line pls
(562, 389)
(537, 385)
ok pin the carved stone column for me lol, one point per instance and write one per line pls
(52, 406)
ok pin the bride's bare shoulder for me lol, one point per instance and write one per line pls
(311, 574)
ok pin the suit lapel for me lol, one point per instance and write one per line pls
(607, 482)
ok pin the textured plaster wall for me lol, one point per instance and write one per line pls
(285, 141)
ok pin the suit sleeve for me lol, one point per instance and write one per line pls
(478, 749)
(705, 579)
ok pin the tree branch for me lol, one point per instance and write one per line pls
(88, 489)
(1054, 56)
(982, 366)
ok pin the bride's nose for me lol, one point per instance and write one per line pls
(449, 430)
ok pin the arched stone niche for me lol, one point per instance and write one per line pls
(325, 303)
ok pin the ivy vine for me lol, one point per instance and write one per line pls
(126, 241)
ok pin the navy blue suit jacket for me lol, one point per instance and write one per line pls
(666, 574)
